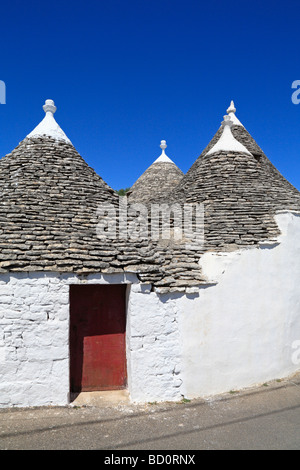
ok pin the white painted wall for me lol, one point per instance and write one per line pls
(235, 334)
(241, 332)
(34, 316)
(154, 347)
(34, 339)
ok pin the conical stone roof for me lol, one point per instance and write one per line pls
(158, 180)
(49, 201)
(241, 189)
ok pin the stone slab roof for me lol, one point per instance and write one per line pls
(49, 198)
(157, 181)
(48, 201)
(241, 193)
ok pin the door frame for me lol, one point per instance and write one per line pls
(127, 285)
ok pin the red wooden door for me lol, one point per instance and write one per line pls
(97, 337)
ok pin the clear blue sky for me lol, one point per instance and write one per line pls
(126, 74)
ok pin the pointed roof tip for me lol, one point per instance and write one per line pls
(231, 112)
(157, 181)
(49, 107)
(163, 158)
(48, 126)
(163, 145)
(227, 142)
(231, 108)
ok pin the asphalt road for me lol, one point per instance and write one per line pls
(262, 418)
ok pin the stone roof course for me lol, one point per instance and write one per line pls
(159, 179)
(241, 193)
(49, 198)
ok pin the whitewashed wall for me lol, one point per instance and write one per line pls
(154, 346)
(241, 332)
(34, 339)
(235, 334)
(34, 316)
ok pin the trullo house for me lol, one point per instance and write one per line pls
(84, 308)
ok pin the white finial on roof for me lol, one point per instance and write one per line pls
(231, 112)
(48, 126)
(163, 145)
(231, 108)
(227, 142)
(49, 107)
(163, 157)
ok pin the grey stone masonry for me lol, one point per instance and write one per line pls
(49, 198)
(159, 179)
(240, 193)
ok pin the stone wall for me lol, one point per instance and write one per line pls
(34, 318)
(154, 346)
(34, 339)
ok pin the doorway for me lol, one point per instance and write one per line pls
(97, 337)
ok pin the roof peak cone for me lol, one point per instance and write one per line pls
(48, 126)
(163, 157)
(231, 112)
(161, 177)
(227, 142)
